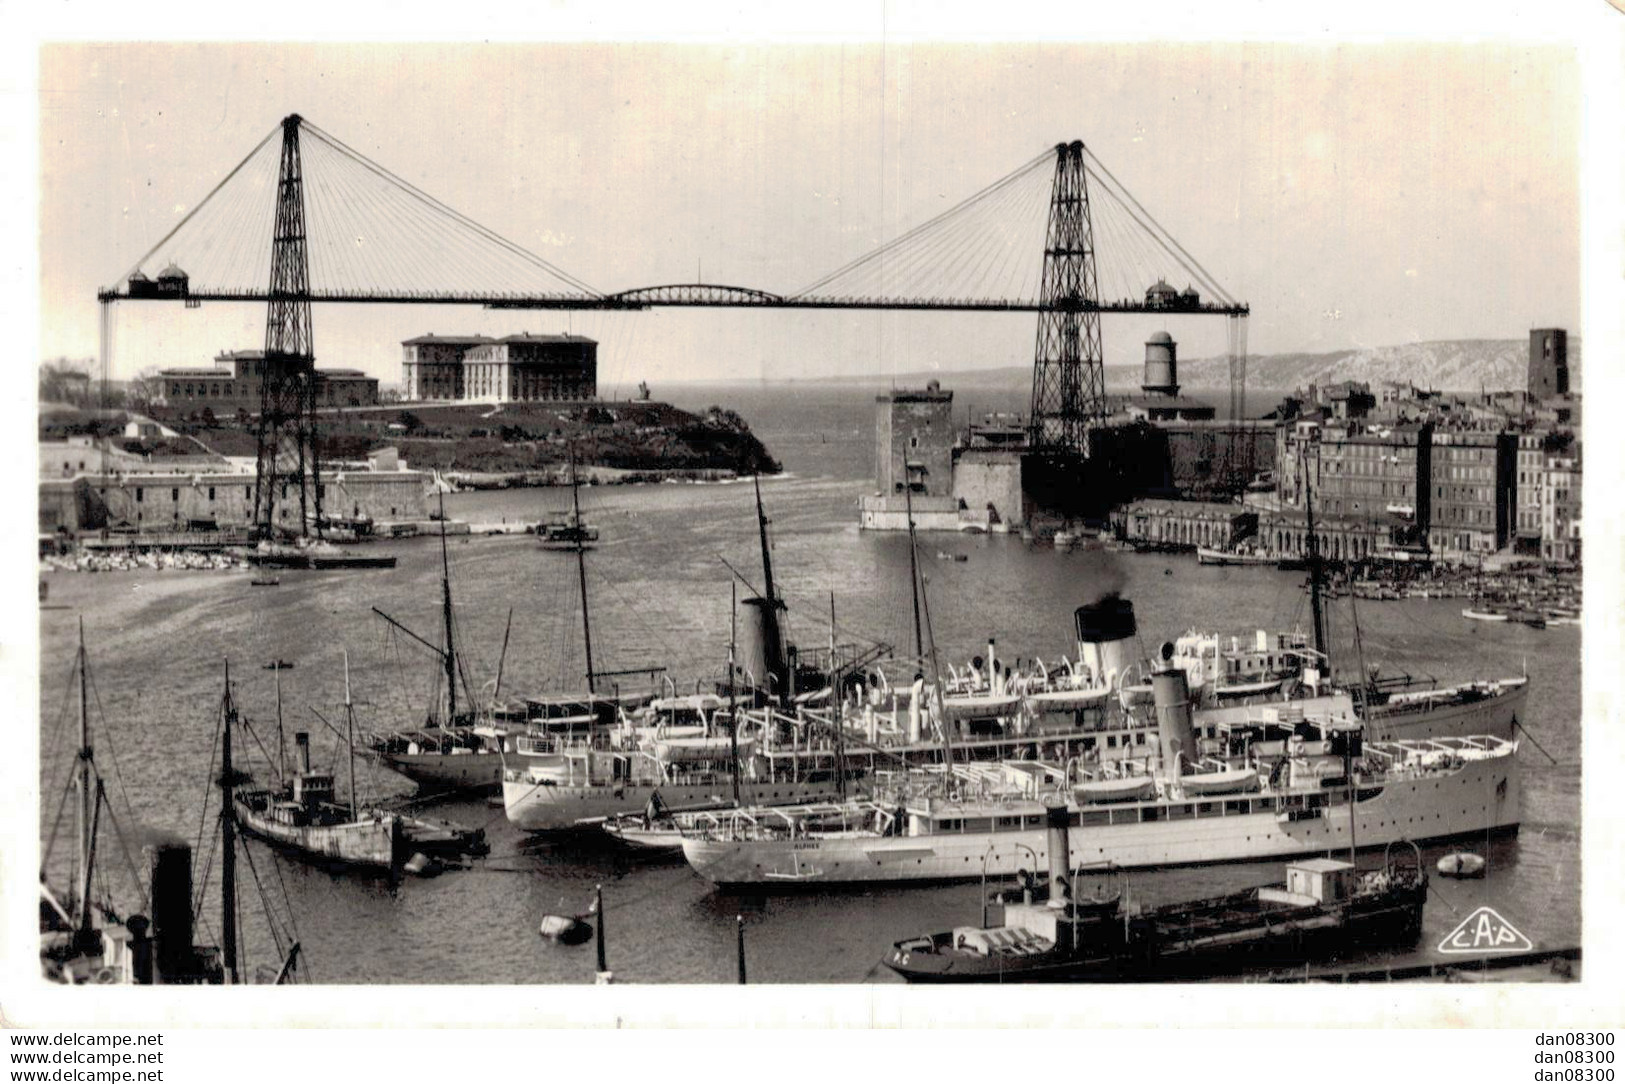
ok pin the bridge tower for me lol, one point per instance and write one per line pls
(1069, 381)
(286, 436)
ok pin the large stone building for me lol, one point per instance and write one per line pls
(235, 381)
(213, 499)
(517, 368)
(1560, 508)
(1473, 485)
(1375, 473)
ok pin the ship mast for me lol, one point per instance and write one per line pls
(349, 739)
(228, 839)
(733, 712)
(1314, 570)
(767, 556)
(913, 570)
(920, 601)
(87, 770)
(581, 566)
(450, 654)
(281, 753)
(839, 714)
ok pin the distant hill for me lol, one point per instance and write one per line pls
(1450, 365)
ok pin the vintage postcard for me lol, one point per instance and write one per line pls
(828, 511)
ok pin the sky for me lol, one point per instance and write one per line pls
(1353, 194)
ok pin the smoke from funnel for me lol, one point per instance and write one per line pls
(1102, 577)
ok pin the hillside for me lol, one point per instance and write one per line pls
(1463, 365)
(518, 437)
(1451, 365)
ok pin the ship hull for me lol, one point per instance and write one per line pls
(535, 807)
(371, 843)
(475, 772)
(1493, 715)
(1482, 796)
(1281, 941)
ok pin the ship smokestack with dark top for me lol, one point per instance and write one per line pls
(301, 743)
(1106, 633)
(761, 646)
(1056, 818)
(1170, 693)
(170, 864)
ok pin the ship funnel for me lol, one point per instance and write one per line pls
(1106, 633)
(170, 865)
(1056, 818)
(761, 645)
(1170, 692)
(301, 742)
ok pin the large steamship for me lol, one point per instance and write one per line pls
(1282, 784)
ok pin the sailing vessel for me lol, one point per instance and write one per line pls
(1268, 789)
(81, 943)
(682, 754)
(459, 750)
(304, 815)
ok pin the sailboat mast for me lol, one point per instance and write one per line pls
(914, 573)
(1314, 571)
(502, 658)
(840, 706)
(920, 601)
(450, 654)
(349, 738)
(281, 747)
(228, 839)
(767, 556)
(733, 711)
(87, 770)
(581, 568)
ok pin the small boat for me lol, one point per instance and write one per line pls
(1473, 614)
(1134, 788)
(279, 664)
(264, 581)
(1461, 864)
(1228, 781)
(943, 556)
(1209, 555)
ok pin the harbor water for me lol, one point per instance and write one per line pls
(659, 584)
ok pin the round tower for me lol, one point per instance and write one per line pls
(1161, 365)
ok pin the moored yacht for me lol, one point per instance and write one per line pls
(1277, 788)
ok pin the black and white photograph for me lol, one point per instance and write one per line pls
(829, 510)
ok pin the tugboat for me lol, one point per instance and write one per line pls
(305, 816)
(1324, 906)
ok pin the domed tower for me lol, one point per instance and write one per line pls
(1161, 365)
(1161, 295)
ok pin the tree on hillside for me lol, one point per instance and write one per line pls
(145, 390)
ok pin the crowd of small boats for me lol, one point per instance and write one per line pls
(849, 765)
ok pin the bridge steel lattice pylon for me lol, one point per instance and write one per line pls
(286, 438)
(1069, 381)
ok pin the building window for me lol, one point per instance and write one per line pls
(211, 493)
(140, 494)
